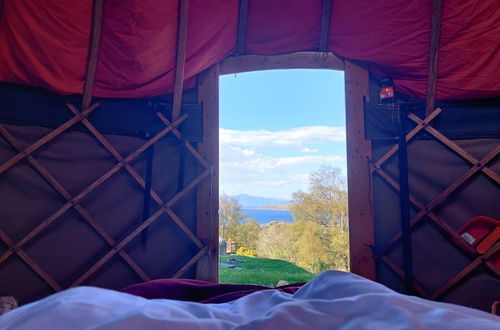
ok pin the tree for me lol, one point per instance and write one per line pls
(234, 226)
(248, 233)
(326, 201)
(318, 238)
(311, 247)
(230, 217)
(321, 218)
(339, 249)
(276, 241)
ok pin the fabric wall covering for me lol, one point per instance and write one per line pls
(45, 43)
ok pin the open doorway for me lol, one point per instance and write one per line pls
(283, 203)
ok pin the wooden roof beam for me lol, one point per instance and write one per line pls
(242, 28)
(325, 25)
(181, 57)
(1, 8)
(437, 6)
(95, 38)
(299, 60)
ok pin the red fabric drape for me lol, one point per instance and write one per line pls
(45, 43)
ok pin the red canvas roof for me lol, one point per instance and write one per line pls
(46, 43)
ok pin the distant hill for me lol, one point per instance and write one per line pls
(277, 207)
(249, 201)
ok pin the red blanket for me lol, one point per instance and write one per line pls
(199, 291)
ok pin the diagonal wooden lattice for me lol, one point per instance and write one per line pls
(427, 210)
(60, 189)
(73, 201)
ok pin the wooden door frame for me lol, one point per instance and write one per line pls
(361, 225)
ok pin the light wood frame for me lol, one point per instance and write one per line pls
(361, 225)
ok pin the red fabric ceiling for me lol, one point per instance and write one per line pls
(45, 43)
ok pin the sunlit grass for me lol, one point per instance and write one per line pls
(262, 271)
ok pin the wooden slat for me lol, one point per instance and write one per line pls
(207, 198)
(399, 272)
(465, 177)
(146, 223)
(90, 188)
(186, 143)
(63, 192)
(190, 263)
(457, 149)
(445, 228)
(155, 196)
(149, 221)
(299, 60)
(108, 146)
(433, 55)
(449, 232)
(361, 221)
(181, 57)
(93, 55)
(421, 215)
(464, 272)
(445, 140)
(325, 25)
(242, 27)
(46, 139)
(31, 263)
(184, 228)
(409, 136)
(190, 186)
(395, 185)
(426, 210)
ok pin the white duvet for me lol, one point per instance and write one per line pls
(332, 300)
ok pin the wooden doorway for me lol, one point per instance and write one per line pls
(358, 148)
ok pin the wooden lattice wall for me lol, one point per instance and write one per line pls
(33, 153)
(451, 181)
(89, 229)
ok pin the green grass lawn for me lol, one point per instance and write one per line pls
(262, 271)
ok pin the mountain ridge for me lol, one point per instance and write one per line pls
(250, 201)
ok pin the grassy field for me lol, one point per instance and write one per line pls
(262, 271)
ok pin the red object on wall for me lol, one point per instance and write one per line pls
(477, 228)
(386, 94)
(45, 43)
(482, 233)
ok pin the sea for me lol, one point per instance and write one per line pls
(264, 216)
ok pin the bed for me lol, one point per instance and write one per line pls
(332, 300)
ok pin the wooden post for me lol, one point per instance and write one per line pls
(361, 225)
(208, 191)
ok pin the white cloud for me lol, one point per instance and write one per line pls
(236, 150)
(272, 183)
(239, 160)
(298, 137)
(299, 177)
(250, 164)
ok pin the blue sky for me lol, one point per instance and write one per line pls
(276, 127)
